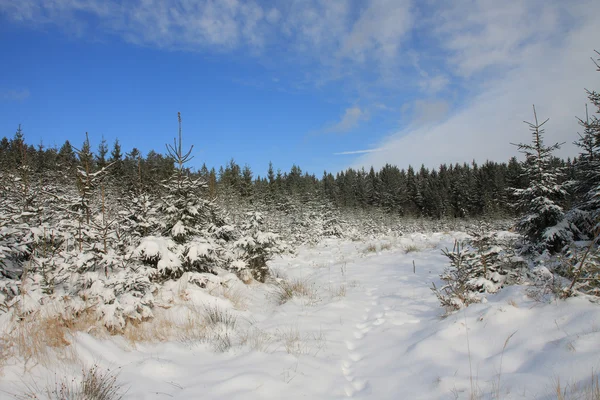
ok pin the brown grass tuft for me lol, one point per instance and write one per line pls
(285, 290)
(95, 384)
(371, 248)
(37, 341)
(338, 291)
(411, 248)
(163, 327)
(586, 391)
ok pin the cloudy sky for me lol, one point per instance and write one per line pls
(325, 84)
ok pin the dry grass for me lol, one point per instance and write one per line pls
(95, 384)
(339, 291)
(220, 323)
(376, 247)
(37, 340)
(354, 283)
(256, 339)
(5, 353)
(209, 324)
(497, 383)
(221, 341)
(386, 246)
(411, 248)
(585, 391)
(298, 344)
(320, 265)
(236, 297)
(285, 290)
(164, 327)
(232, 293)
(371, 248)
(215, 315)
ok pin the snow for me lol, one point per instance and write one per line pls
(386, 337)
(159, 248)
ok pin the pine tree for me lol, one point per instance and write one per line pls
(116, 158)
(102, 152)
(541, 221)
(246, 183)
(271, 175)
(191, 226)
(588, 165)
(256, 246)
(67, 159)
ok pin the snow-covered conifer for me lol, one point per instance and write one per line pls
(588, 168)
(193, 222)
(541, 220)
(482, 265)
(255, 246)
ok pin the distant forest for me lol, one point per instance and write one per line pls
(450, 191)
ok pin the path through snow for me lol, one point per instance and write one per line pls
(383, 339)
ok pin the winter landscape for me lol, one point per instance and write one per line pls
(129, 273)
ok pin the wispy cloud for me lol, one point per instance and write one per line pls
(14, 95)
(349, 121)
(496, 57)
(551, 75)
(343, 153)
(481, 34)
(379, 31)
(329, 34)
(429, 111)
(191, 25)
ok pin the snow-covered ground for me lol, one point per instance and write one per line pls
(371, 329)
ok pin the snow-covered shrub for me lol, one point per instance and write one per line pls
(255, 246)
(184, 213)
(581, 265)
(202, 254)
(331, 222)
(73, 282)
(13, 250)
(457, 291)
(19, 210)
(160, 253)
(139, 216)
(483, 267)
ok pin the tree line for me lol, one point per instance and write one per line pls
(450, 191)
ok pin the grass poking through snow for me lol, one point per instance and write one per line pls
(95, 384)
(214, 315)
(586, 391)
(285, 290)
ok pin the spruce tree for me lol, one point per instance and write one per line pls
(102, 152)
(588, 164)
(191, 226)
(541, 221)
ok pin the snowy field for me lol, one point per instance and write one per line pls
(367, 326)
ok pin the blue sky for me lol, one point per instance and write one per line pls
(324, 84)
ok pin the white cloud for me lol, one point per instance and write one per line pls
(552, 77)
(379, 31)
(350, 120)
(481, 33)
(429, 111)
(182, 24)
(342, 153)
(329, 33)
(433, 84)
(496, 57)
